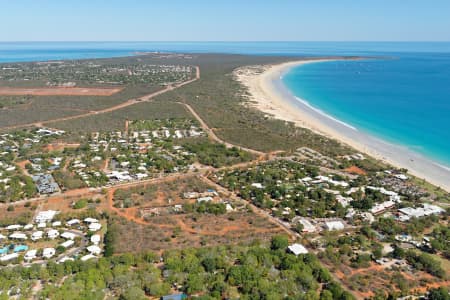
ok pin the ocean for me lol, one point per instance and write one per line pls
(402, 95)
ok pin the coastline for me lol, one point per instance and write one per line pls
(269, 95)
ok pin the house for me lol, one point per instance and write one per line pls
(93, 249)
(42, 225)
(48, 252)
(65, 258)
(68, 235)
(95, 239)
(14, 227)
(67, 244)
(45, 216)
(297, 249)
(72, 222)
(31, 254)
(87, 257)
(8, 257)
(380, 207)
(204, 199)
(56, 224)
(18, 236)
(28, 227)
(53, 233)
(426, 210)
(307, 225)
(95, 226)
(2, 237)
(334, 225)
(37, 235)
(45, 183)
(90, 220)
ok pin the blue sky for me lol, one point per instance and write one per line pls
(225, 20)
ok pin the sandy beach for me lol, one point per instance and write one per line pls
(269, 94)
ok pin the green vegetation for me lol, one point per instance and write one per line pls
(254, 272)
(217, 155)
(82, 203)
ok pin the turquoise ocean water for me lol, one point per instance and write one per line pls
(402, 96)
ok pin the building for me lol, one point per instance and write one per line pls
(45, 183)
(68, 235)
(90, 220)
(95, 239)
(31, 254)
(48, 252)
(37, 235)
(307, 225)
(87, 257)
(72, 222)
(18, 236)
(45, 216)
(297, 249)
(94, 249)
(334, 225)
(419, 212)
(67, 244)
(53, 234)
(9, 257)
(95, 226)
(381, 207)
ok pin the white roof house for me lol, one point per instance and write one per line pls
(28, 227)
(53, 233)
(93, 249)
(297, 249)
(90, 220)
(18, 236)
(334, 225)
(31, 254)
(87, 257)
(56, 224)
(95, 239)
(204, 199)
(42, 225)
(68, 243)
(95, 226)
(68, 235)
(9, 257)
(2, 237)
(65, 258)
(48, 252)
(14, 227)
(37, 235)
(419, 212)
(72, 222)
(45, 216)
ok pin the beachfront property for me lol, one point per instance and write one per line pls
(407, 213)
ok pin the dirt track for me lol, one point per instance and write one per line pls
(58, 91)
(145, 98)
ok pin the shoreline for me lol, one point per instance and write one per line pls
(269, 95)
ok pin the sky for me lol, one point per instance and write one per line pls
(225, 20)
